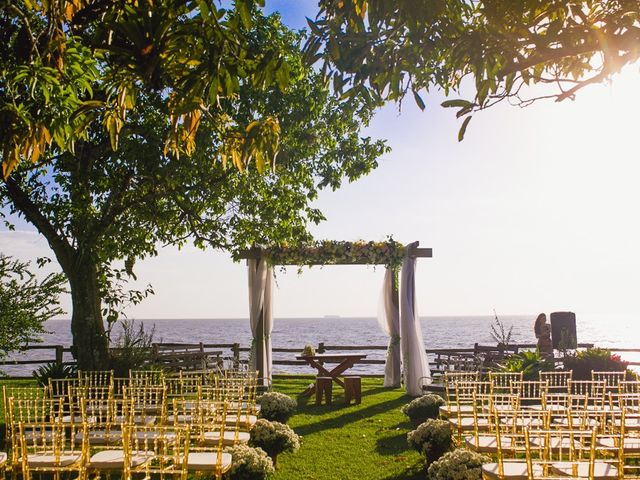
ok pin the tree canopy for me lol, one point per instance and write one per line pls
(384, 50)
(101, 208)
(69, 64)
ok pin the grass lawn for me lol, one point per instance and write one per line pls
(366, 441)
(359, 442)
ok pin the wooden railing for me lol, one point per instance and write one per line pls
(438, 357)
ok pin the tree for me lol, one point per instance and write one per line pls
(101, 208)
(25, 304)
(385, 50)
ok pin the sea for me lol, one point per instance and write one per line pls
(614, 331)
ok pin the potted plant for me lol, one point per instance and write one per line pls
(432, 438)
(423, 408)
(249, 463)
(594, 359)
(460, 464)
(274, 438)
(277, 406)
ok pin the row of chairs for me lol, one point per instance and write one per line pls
(147, 422)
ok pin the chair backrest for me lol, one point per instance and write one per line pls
(166, 447)
(501, 381)
(557, 380)
(559, 453)
(629, 386)
(52, 440)
(62, 387)
(450, 380)
(529, 391)
(594, 392)
(611, 379)
(148, 377)
(22, 393)
(95, 378)
(178, 387)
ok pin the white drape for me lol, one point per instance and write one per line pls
(414, 358)
(389, 321)
(260, 316)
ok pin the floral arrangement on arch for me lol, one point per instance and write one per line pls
(329, 252)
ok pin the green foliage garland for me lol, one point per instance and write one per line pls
(332, 252)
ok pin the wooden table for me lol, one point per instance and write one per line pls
(344, 362)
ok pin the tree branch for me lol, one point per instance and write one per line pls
(32, 213)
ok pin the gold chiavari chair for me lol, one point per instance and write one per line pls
(182, 387)
(147, 377)
(181, 412)
(557, 380)
(593, 392)
(501, 381)
(509, 448)
(119, 384)
(621, 442)
(120, 458)
(611, 379)
(629, 386)
(215, 429)
(530, 392)
(63, 387)
(147, 403)
(554, 454)
(466, 418)
(107, 417)
(47, 448)
(450, 379)
(95, 378)
(19, 393)
(483, 437)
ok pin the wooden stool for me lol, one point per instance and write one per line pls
(324, 387)
(352, 389)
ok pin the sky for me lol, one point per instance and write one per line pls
(535, 211)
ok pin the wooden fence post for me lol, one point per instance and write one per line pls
(59, 354)
(321, 348)
(236, 355)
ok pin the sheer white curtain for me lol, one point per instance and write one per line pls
(260, 316)
(414, 358)
(389, 321)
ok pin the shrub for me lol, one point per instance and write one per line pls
(529, 363)
(131, 349)
(423, 408)
(277, 406)
(54, 370)
(308, 351)
(274, 438)
(433, 438)
(597, 359)
(249, 463)
(461, 464)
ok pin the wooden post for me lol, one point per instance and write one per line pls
(59, 354)
(320, 348)
(236, 355)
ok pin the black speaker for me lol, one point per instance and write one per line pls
(563, 330)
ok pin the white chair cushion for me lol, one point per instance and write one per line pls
(3, 458)
(206, 461)
(631, 444)
(138, 419)
(602, 470)
(45, 460)
(488, 443)
(512, 471)
(180, 418)
(244, 418)
(101, 437)
(114, 459)
(228, 438)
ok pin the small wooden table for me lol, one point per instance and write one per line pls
(344, 362)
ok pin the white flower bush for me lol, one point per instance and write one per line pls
(274, 437)
(277, 406)
(460, 464)
(249, 463)
(432, 438)
(423, 408)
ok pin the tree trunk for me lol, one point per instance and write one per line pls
(90, 345)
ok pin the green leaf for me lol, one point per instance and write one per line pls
(456, 103)
(418, 100)
(463, 128)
